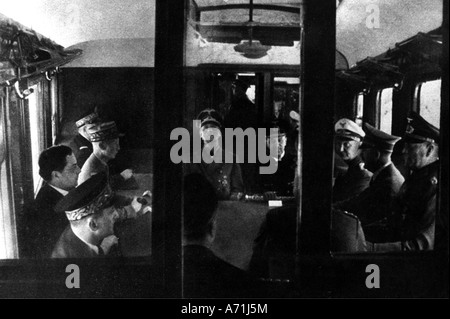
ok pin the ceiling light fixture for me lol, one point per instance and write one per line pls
(252, 49)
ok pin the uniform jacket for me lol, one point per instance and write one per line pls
(70, 246)
(226, 178)
(375, 202)
(94, 165)
(353, 182)
(418, 227)
(282, 180)
(43, 225)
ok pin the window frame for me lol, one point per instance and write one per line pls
(379, 110)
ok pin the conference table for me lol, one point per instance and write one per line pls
(238, 224)
(135, 235)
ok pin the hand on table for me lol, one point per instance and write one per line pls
(127, 174)
(270, 196)
(108, 243)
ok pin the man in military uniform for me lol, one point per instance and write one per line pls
(415, 221)
(375, 201)
(81, 141)
(91, 214)
(105, 142)
(348, 139)
(225, 177)
(58, 168)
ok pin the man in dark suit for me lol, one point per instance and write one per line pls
(416, 222)
(206, 275)
(58, 167)
(348, 140)
(374, 203)
(243, 113)
(91, 213)
(281, 182)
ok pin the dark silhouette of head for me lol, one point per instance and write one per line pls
(200, 204)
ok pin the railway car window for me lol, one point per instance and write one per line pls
(395, 209)
(430, 101)
(359, 109)
(385, 102)
(225, 61)
(8, 237)
(87, 68)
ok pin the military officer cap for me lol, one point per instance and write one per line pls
(88, 119)
(103, 131)
(347, 129)
(419, 130)
(379, 139)
(211, 117)
(86, 199)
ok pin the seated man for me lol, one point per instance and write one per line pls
(91, 214)
(105, 142)
(206, 275)
(43, 226)
(92, 210)
(375, 201)
(415, 222)
(226, 178)
(281, 182)
(348, 140)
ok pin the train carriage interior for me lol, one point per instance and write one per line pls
(153, 66)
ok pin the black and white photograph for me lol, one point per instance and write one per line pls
(220, 157)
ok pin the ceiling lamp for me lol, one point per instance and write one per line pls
(252, 49)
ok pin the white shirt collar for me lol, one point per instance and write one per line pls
(59, 190)
(92, 247)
